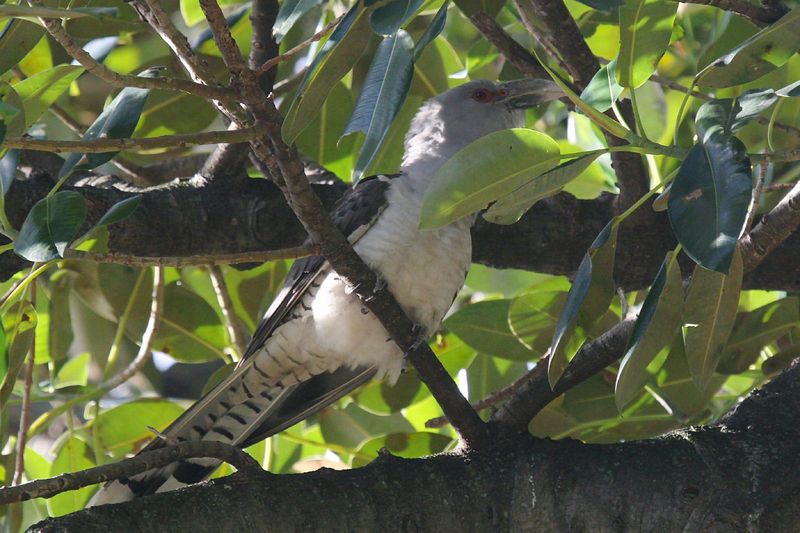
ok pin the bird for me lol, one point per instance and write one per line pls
(317, 341)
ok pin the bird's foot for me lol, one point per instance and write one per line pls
(421, 337)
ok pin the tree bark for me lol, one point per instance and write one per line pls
(739, 474)
(182, 219)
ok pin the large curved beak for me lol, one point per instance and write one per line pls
(530, 92)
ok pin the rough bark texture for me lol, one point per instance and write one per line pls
(214, 219)
(740, 474)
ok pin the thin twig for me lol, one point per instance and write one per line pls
(149, 335)
(268, 65)
(755, 199)
(772, 229)
(96, 146)
(25, 413)
(193, 260)
(496, 397)
(47, 488)
(232, 324)
(58, 33)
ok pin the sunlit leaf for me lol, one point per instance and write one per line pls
(484, 327)
(74, 455)
(589, 298)
(659, 318)
(487, 169)
(17, 38)
(603, 89)
(710, 312)
(123, 428)
(762, 53)
(74, 372)
(510, 208)
(645, 31)
(321, 139)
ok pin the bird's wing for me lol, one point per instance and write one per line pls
(353, 214)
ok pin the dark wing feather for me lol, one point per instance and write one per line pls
(353, 214)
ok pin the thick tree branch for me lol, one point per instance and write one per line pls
(761, 15)
(741, 470)
(515, 53)
(772, 230)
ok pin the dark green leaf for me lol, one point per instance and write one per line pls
(484, 326)
(335, 59)
(289, 12)
(12, 111)
(433, 30)
(490, 7)
(487, 169)
(781, 360)
(8, 170)
(603, 90)
(117, 121)
(602, 5)
(50, 226)
(710, 312)
(17, 38)
(588, 299)
(659, 318)
(762, 53)
(3, 352)
(729, 115)
(388, 18)
(352, 426)
(120, 211)
(533, 317)
(509, 209)
(709, 198)
(382, 95)
(645, 28)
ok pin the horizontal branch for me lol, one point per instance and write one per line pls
(49, 487)
(761, 15)
(180, 262)
(742, 470)
(97, 146)
(551, 238)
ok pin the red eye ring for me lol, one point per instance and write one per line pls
(482, 95)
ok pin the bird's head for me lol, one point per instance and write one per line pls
(449, 122)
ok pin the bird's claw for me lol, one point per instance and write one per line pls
(421, 338)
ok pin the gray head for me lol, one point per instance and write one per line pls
(452, 120)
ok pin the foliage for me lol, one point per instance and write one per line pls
(692, 355)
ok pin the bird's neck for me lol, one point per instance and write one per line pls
(425, 152)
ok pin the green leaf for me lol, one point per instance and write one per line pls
(603, 89)
(335, 59)
(728, 115)
(645, 28)
(488, 168)
(380, 398)
(533, 317)
(120, 211)
(382, 95)
(3, 352)
(710, 312)
(289, 12)
(388, 18)
(603, 5)
(755, 330)
(781, 360)
(403, 445)
(8, 170)
(17, 38)
(659, 319)
(588, 299)
(708, 200)
(168, 113)
(123, 429)
(510, 208)
(12, 115)
(50, 226)
(75, 372)
(44, 12)
(319, 140)
(190, 329)
(40, 90)
(433, 30)
(484, 327)
(352, 426)
(74, 455)
(762, 53)
(490, 7)
(487, 375)
(117, 121)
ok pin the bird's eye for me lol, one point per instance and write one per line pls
(482, 95)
